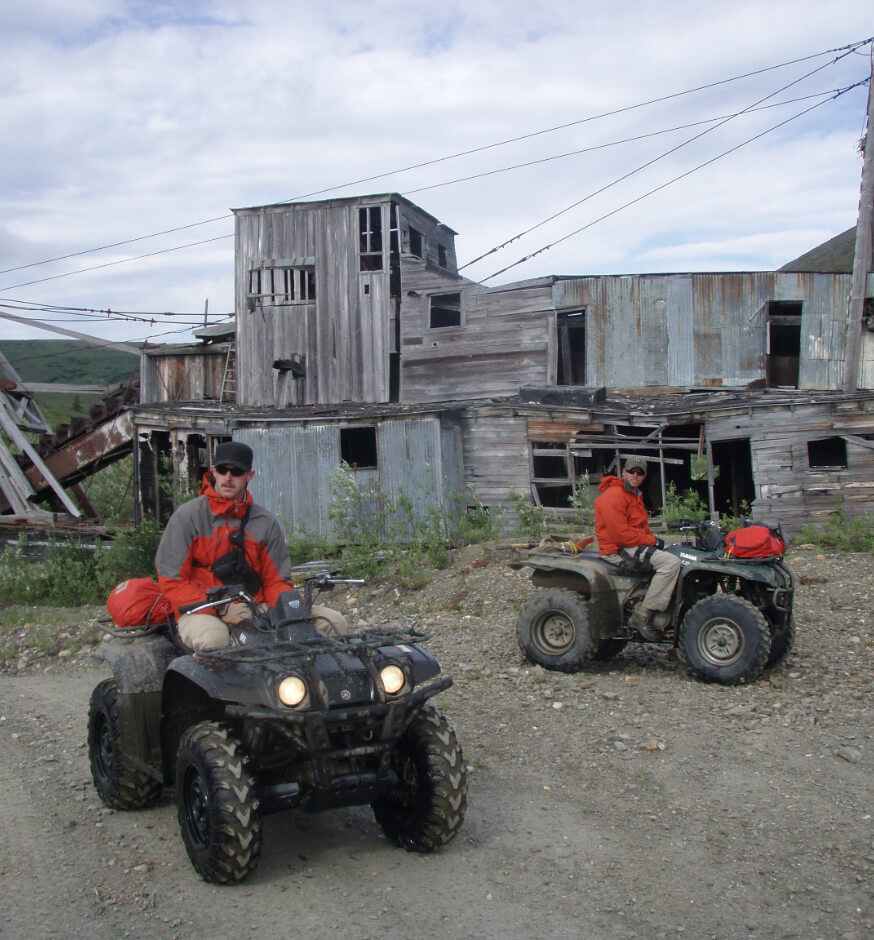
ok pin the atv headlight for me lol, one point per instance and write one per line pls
(291, 691)
(393, 678)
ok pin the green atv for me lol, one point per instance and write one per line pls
(729, 618)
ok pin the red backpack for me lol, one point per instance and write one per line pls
(755, 541)
(138, 602)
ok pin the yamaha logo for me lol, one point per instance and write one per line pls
(345, 695)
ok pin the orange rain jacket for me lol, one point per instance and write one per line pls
(620, 517)
(199, 533)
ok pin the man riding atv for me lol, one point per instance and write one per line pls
(224, 537)
(624, 536)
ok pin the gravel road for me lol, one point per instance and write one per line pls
(626, 801)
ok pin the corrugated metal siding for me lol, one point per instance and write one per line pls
(297, 486)
(703, 329)
(411, 462)
(416, 457)
(681, 371)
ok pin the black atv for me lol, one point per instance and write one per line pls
(285, 716)
(729, 617)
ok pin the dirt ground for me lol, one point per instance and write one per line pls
(625, 801)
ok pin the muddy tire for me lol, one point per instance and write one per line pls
(781, 645)
(426, 808)
(553, 630)
(219, 813)
(118, 782)
(724, 639)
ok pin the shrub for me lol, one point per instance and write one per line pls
(685, 505)
(840, 534)
(72, 574)
(531, 519)
(582, 500)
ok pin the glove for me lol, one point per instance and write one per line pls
(236, 613)
(659, 544)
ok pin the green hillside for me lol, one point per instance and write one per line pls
(71, 362)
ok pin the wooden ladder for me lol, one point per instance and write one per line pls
(229, 379)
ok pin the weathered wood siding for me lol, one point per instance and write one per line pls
(343, 334)
(183, 373)
(788, 489)
(505, 340)
(642, 331)
(496, 455)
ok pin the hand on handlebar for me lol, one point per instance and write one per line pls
(236, 612)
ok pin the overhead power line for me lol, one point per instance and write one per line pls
(850, 47)
(656, 189)
(666, 153)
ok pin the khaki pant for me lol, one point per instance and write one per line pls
(661, 588)
(206, 632)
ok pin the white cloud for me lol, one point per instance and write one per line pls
(127, 117)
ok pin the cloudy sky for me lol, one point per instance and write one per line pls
(123, 119)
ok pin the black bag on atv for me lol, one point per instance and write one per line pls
(232, 567)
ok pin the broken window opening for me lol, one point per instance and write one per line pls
(784, 343)
(370, 238)
(733, 488)
(441, 256)
(393, 240)
(358, 447)
(280, 285)
(571, 366)
(830, 453)
(445, 311)
(416, 243)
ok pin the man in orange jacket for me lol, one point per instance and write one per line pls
(224, 537)
(622, 528)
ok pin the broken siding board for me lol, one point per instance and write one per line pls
(495, 376)
(559, 430)
(448, 348)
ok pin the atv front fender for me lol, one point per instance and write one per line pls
(138, 664)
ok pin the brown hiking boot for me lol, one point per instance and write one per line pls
(640, 622)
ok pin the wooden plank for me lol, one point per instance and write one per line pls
(559, 430)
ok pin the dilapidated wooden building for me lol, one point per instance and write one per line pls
(357, 340)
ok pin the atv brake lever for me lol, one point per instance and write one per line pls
(217, 601)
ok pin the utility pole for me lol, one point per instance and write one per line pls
(862, 257)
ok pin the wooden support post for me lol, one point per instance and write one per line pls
(862, 258)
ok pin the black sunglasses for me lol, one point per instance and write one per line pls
(638, 470)
(224, 470)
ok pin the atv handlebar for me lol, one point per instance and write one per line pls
(227, 593)
(218, 596)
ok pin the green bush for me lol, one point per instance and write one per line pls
(840, 534)
(380, 532)
(729, 523)
(582, 500)
(472, 523)
(130, 554)
(65, 577)
(72, 574)
(685, 505)
(531, 519)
